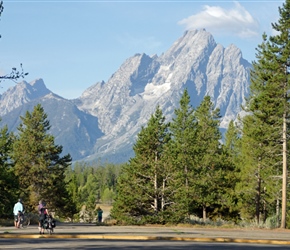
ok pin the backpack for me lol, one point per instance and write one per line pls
(43, 213)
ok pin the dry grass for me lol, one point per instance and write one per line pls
(6, 222)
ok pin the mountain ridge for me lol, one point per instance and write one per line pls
(124, 103)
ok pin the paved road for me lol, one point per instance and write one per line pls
(87, 244)
(89, 236)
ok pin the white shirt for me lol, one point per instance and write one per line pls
(17, 207)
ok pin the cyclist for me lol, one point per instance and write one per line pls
(17, 211)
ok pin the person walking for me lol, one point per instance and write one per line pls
(42, 218)
(40, 205)
(100, 214)
(17, 210)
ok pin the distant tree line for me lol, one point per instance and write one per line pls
(91, 184)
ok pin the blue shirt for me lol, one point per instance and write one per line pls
(17, 207)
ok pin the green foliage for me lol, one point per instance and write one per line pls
(9, 190)
(108, 196)
(227, 207)
(90, 184)
(182, 152)
(179, 171)
(38, 164)
(265, 128)
(142, 184)
(92, 179)
(209, 169)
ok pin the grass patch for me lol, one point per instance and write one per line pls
(6, 222)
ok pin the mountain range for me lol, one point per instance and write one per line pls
(103, 123)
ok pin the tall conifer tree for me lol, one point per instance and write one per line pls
(268, 103)
(257, 171)
(208, 155)
(8, 182)
(141, 183)
(183, 128)
(38, 164)
(229, 173)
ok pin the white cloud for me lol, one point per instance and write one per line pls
(236, 21)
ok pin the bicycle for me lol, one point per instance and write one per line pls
(24, 219)
(49, 224)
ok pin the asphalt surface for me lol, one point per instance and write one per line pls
(153, 233)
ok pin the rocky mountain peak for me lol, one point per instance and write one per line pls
(104, 121)
(21, 93)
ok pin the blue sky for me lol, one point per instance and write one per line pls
(73, 44)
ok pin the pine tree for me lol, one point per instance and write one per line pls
(38, 165)
(8, 181)
(140, 185)
(208, 151)
(183, 129)
(229, 178)
(268, 103)
(256, 174)
(130, 200)
(73, 192)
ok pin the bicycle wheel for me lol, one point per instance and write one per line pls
(26, 221)
(50, 228)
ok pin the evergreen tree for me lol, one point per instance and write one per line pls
(141, 184)
(73, 191)
(208, 150)
(9, 191)
(129, 202)
(268, 103)
(90, 183)
(229, 178)
(232, 141)
(38, 165)
(182, 154)
(255, 172)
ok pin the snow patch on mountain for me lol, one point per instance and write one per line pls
(155, 91)
(105, 120)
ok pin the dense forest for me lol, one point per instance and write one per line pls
(181, 169)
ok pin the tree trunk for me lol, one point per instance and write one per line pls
(284, 174)
(163, 194)
(155, 185)
(155, 194)
(277, 212)
(187, 191)
(258, 197)
(265, 213)
(204, 213)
